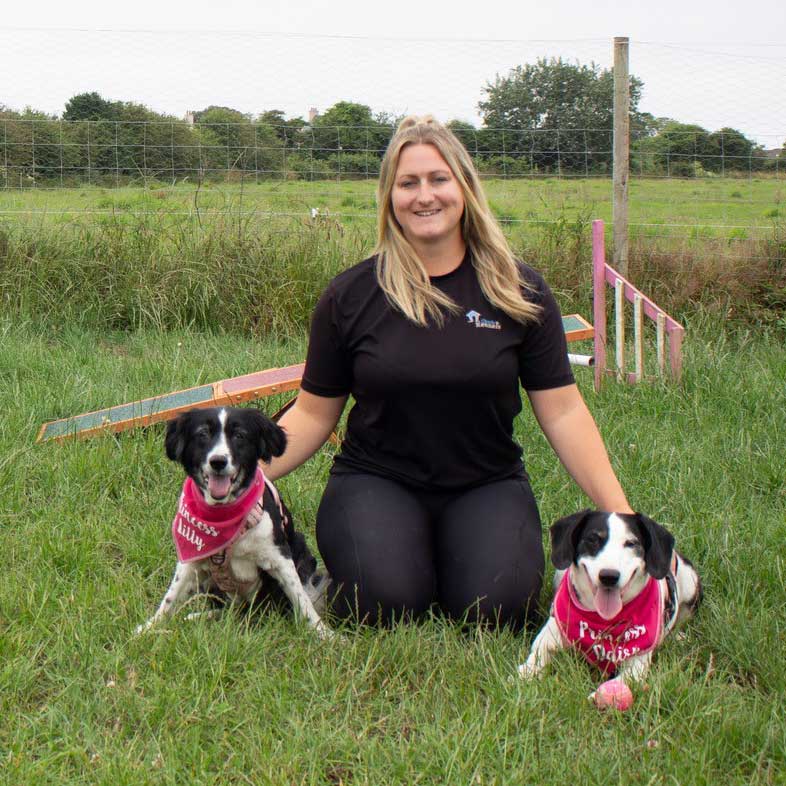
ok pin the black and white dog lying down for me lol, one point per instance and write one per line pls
(620, 589)
(233, 534)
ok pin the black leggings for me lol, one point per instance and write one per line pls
(394, 551)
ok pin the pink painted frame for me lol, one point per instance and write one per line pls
(603, 274)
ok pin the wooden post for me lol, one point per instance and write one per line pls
(621, 155)
(661, 343)
(619, 327)
(638, 337)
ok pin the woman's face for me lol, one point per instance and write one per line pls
(427, 200)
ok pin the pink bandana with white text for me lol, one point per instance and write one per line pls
(200, 530)
(637, 629)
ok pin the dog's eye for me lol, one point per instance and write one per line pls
(238, 436)
(631, 544)
(593, 541)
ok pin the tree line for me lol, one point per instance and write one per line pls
(548, 117)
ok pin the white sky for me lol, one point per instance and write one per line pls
(710, 62)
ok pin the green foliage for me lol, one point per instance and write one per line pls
(88, 106)
(288, 131)
(229, 141)
(684, 150)
(350, 128)
(558, 114)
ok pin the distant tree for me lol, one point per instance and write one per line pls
(89, 106)
(680, 150)
(288, 131)
(734, 151)
(229, 140)
(350, 128)
(466, 133)
(30, 147)
(557, 114)
(220, 114)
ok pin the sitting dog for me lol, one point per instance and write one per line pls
(233, 535)
(620, 589)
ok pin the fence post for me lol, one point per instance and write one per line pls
(621, 155)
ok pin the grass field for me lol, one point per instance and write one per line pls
(236, 701)
(164, 257)
(107, 296)
(726, 208)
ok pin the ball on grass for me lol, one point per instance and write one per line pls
(615, 694)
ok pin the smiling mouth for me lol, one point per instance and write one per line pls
(219, 486)
(426, 213)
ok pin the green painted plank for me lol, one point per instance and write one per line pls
(571, 323)
(136, 409)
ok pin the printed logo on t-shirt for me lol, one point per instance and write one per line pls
(474, 318)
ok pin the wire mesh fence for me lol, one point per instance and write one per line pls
(295, 126)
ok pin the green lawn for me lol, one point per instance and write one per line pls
(85, 533)
(729, 208)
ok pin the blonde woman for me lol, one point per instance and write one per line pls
(428, 505)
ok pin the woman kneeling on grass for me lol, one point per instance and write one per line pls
(428, 503)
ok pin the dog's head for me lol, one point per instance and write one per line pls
(610, 556)
(219, 448)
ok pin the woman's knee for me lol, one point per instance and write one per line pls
(376, 541)
(495, 605)
(379, 605)
(490, 555)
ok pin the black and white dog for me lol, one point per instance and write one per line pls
(620, 589)
(233, 534)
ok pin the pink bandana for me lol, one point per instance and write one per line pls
(200, 529)
(637, 629)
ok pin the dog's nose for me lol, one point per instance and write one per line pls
(609, 578)
(218, 463)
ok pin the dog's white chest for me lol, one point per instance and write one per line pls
(255, 549)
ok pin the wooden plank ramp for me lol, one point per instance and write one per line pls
(227, 392)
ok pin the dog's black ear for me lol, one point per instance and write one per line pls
(565, 534)
(658, 546)
(175, 440)
(271, 439)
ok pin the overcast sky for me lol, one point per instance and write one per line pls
(710, 62)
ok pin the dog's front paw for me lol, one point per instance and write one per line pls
(324, 632)
(145, 626)
(529, 671)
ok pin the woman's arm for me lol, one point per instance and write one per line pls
(574, 436)
(308, 424)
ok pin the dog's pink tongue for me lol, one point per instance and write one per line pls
(218, 485)
(608, 602)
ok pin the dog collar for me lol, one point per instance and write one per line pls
(200, 530)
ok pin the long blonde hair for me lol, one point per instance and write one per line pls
(402, 275)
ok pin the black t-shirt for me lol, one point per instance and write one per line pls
(434, 407)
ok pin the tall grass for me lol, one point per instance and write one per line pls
(152, 271)
(84, 528)
(250, 272)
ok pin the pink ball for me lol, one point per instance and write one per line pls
(615, 694)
